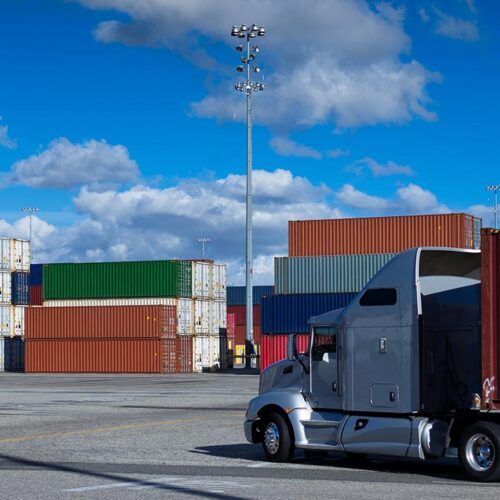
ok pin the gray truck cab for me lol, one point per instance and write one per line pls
(397, 372)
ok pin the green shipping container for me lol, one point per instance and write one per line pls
(163, 278)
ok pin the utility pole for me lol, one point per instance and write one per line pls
(203, 241)
(31, 211)
(495, 189)
(248, 87)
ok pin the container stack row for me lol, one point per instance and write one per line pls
(14, 297)
(100, 294)
(331, 260)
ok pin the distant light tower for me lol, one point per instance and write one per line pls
(495, 189)
(203, 241)
(30, 211)
(248, 87)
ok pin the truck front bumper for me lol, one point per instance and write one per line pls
(248, 425)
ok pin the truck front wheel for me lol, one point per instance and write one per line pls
(479, 451)
(277, 439)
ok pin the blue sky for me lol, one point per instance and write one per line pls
(119, 120)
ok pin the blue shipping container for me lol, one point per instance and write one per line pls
(237, 295)
(13, 353)
(36, 274)
(20, 289)
(290, 313)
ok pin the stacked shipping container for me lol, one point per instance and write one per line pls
(14, 296)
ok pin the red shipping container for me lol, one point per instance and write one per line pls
(240, 334)
(184, 354)
(381, 234)
(273, 348)
(36, 297)
(490, 321)
(95, 356)
(101, 322)
(240, 313)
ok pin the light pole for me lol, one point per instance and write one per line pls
(495, 189)
(203, 241)
(30, 211)
(248, 87)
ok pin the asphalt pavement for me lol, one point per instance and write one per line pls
(176, 436)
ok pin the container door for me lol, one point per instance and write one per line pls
(5, 288)
(324, 375)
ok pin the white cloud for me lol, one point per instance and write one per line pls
(415, 199)
(65, 165)
(286, 147)
(347, 69)
(5, 140)
(424, 15)
(378, 170)
(353, 198)
(485, 212)
(454, 27)
(337, 153)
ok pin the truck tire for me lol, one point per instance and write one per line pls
(277, 440)
(479, 451)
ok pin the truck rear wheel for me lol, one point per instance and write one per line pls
(277, 439)
(479, 451)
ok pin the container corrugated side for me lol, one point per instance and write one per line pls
(13, 353)
(5, 287)
(14, 255)
(94, 355)
(240, 314)
(290, 313)
(219, 281)
(101, 322)
(118, 280)
(273, 348)
(202, 279)
(36, 274)
(36, 295)
(20, 288)
(326, 274)
(12, 320)
(236, 295)
(206, 353)
(185, 307)
(490, 321)
(380, 234)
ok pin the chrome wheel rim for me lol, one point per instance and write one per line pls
(272, 438)
(480, 452)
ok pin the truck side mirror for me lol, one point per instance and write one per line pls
(291, 347)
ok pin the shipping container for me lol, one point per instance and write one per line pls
(231, 324)
(490, 322)
(20, 288)
(240, 314)
(290, 313)
(237, 295)
(326, 274)
(14, 255)
(101, 322)
(381, 234)
(184, 354)
(202, 279)
(219, 282)
(241, 331)
(273, 348)
(11, 320)
(102, 280)
(185, 308)
(97, 355)
(206, 353)
(36, 297)
(12, 354)
(36, 274)
(5, 288)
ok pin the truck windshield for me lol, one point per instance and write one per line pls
(324, 341)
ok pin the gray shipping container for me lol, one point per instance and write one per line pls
(326, 274)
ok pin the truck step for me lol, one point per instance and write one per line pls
(321, 423)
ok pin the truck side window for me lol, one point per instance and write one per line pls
(379, 297)
(325, 340)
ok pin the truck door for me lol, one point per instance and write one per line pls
(324, 375)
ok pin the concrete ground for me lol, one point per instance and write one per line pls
(177, 436)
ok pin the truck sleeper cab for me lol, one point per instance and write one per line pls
(397, 372)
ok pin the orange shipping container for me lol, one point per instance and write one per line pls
(381, 234)
(114, 322)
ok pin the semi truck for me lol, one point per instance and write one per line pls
(408, 369)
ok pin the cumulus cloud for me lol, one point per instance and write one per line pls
(286, 147)
(415, 199)
(65, 165)
(454, 27)
(379, 170)
(351, 197)
(350, 68)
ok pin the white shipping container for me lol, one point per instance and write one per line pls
(185, 307)
(202, 280)
(219, 282)
(203, 317)
(219, 316)
(206, 353)
(11, 320)
(5, 287)
(14, 255)
(2, 356)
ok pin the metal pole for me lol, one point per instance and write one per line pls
(249, 206)
(495, 208)
(31, 215)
